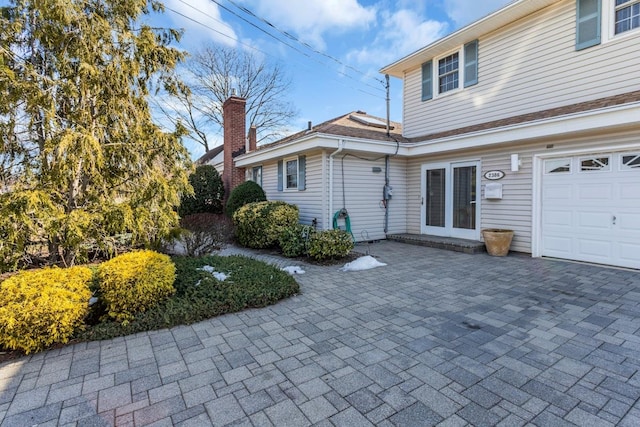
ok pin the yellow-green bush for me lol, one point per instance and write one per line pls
(330, 244)
(132, 283)
(39, 308)
(259, 224)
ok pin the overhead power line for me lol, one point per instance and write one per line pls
(262, 51)
(297, 40)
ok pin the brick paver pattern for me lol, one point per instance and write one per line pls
(433, 338)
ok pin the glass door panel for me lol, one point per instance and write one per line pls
(436, 200)
(450, 199)
(464, 197)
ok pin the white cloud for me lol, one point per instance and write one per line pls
(402, 32)
(310, 20)
(463, 12)
(205, 12)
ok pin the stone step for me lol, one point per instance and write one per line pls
(446, 243)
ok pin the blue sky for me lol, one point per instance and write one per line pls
(362, 35)
(349, 41)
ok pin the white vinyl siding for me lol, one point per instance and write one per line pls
(528, 66)
(514, 210)
(363, 196)
(309, 201)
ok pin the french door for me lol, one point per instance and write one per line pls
(450, 202)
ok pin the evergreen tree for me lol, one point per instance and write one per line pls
(81, 159)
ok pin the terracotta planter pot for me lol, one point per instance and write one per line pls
(497, 241)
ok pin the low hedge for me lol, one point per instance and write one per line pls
(259, 224)
(200, 296)
(330, 244)
(39, 308)
(134, 282)
(294, 240)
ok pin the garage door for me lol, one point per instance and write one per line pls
(591, 208)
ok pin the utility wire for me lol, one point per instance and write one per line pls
(294, 38)
(264, 52)
(288, 44)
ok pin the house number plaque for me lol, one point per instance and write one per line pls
(494, 175)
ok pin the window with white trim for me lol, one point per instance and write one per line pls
(557, 166)
(450, 72)
(291, 174)
(256, 175)
(630, 161)
(626, 15)
(592, 164)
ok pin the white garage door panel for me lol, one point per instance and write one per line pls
(595, 192)
(554, 217)
(559, 247)
(599, 249)
(558, 192)
(600, 221)
(630, 253)
(629, 191)
(592, 215)
(629, 221)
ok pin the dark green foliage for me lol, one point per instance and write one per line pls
(250, 283)
(294, 240)
(330, 244)
(247, 192)
(259, 224)
(208, 192)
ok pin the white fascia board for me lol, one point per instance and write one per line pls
(314, 142)
(625, 115)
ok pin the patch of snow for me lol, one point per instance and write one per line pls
(363, 263)
(293, 270)
(220, 276)
(209, 269)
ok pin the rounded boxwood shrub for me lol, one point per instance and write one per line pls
(208, 192)
(39, 308)
(247, 192)
(259, 224)
(132, 283)
(330, 244)
(294, 240)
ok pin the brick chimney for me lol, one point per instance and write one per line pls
(253, 138)
(234, 119)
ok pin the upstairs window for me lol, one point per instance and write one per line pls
(627, 15)
(451, 72)
(448, 73)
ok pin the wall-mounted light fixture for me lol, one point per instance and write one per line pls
(515, 163)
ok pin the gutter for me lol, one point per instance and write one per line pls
(341, 145)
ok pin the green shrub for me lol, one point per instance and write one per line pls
(294, 240)
(208, 192)
(247, 192)
(41, 307)
(134, 282)
(259, 224)
(330, 244)
(200, 296)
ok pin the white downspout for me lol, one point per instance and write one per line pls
(340, 148)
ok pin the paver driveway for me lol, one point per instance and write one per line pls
(434, 337)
